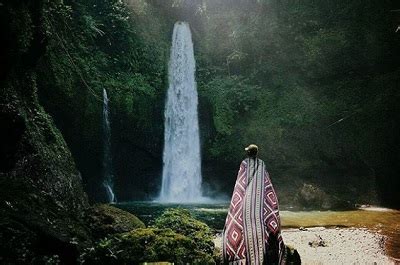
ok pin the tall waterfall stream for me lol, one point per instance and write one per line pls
(181, 178)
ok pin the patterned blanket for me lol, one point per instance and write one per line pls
(252, 228)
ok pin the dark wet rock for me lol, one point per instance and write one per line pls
(292, 256)
(106, 220)
(42, 202)
(317, 242)
(312, 197)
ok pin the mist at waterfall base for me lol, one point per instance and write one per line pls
(181, 177)
(107, 160)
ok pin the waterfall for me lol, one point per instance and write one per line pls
(181, 178)
(107, 160)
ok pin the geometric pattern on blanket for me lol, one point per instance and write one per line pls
(253, 216)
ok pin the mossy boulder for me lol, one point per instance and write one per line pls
(147, 245)
(42, 202)
(182, 222)
(42, 199)
(106, 219)
(176, 237)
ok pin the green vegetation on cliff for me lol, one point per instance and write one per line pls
(42, 202)
(313, 84)
(94, 46)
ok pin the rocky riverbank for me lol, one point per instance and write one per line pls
(321, 245)
(337, 245)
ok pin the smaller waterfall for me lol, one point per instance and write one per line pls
(107, 160)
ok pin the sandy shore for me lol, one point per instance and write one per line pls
(341, 246)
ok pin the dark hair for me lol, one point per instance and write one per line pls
(252, 152)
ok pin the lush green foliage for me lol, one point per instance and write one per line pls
(147, 245)
(181, 222)
(94, 46)
(41, 219)
(313, 84)
(311, 65)
(177, 237)
(320, 81)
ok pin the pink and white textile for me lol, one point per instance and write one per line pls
(253, 220)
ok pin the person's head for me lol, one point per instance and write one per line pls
(252, 150)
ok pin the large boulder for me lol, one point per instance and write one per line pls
(147, 245)
(182, 222)
(106, 220)
(42, 202)
(177, 238)
(311, 196)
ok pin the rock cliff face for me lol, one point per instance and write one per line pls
(42, 203)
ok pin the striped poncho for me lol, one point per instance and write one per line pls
(252, 229)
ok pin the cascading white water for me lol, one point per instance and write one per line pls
(107, 160)
(181, 179)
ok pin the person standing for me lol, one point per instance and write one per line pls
(252, 232)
